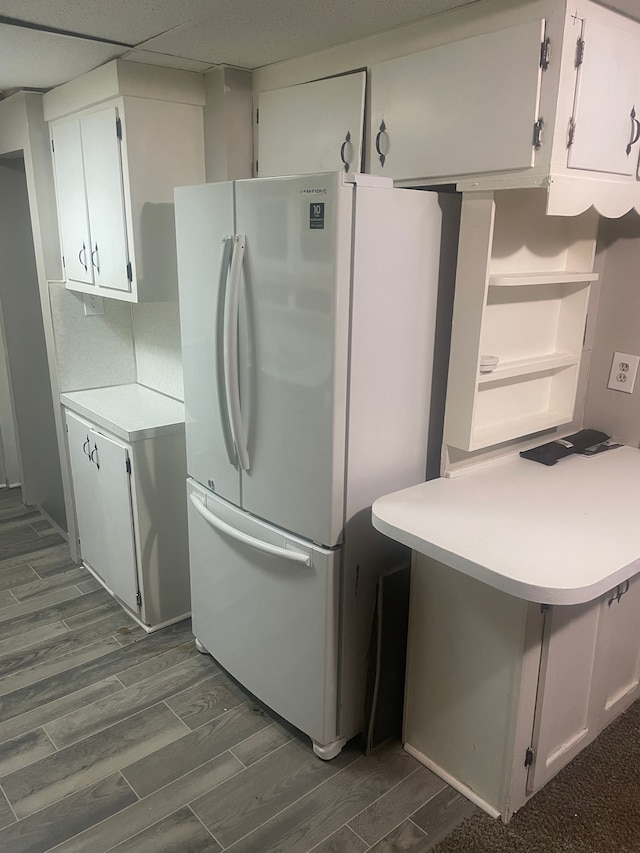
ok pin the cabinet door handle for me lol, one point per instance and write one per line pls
(82, 251)
(93, 256)
(635, 130)
(85, 448)
(383, 129)
(621, 590)
(347, 141)
(94, 453)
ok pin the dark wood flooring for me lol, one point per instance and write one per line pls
(112, 739)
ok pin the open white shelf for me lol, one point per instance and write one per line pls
(521, 279)
(522, 291)
(511, 369)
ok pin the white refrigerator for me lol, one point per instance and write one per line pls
(307, 312)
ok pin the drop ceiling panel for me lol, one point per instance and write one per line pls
(251, 34)
(163, 59)
(39, 60)
(126, 21)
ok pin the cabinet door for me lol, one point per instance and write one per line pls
(607, 101)
(72, 204)
(566, 716)
(105, 200)
(86, 491)
(619, 650)
(100, 469)
(461, 108)
(313, 127)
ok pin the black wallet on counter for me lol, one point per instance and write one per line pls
(550, 453)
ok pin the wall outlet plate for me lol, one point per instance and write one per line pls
(93, 304)
(624, 368)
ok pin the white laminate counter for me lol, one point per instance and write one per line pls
(131, 412)
(560, 534)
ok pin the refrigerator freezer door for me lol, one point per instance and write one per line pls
(296, 289)
(263, 613)
(204, 230)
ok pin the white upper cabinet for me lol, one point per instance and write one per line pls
(123, 137)
(101, 134)
(72, 202)
(312, 127)
(464, 107)
(93, 227)
(605, 130)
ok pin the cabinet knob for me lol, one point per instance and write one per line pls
(381, 132)
(94, 255)
(83, 251)
(635, 130)
(93, 456)
(343, 148)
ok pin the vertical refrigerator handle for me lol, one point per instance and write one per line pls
(225, 419)
(231, 373)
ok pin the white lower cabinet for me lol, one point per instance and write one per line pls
(502, 693)
(101, 469)
(131, 515)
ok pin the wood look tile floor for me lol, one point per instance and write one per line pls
(112, 739)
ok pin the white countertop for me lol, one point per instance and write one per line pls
(131, 412)
(560, 534)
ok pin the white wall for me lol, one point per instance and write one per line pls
(9, 462)
(128, 343)
(227, 124)
(26, 353)
(24, 132)
(617, 329)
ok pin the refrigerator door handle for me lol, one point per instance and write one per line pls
(232, 384)
(225, 419)
(258, 544)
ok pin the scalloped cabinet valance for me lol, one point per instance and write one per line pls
(546, 94)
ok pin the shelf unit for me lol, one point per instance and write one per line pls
(522, 293)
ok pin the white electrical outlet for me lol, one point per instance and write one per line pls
(623, 372)
(93, 304)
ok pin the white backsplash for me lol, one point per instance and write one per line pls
(92, 351)
(156, 332)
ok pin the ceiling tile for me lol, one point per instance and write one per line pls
(249, 34)
(167, 61)
(126, 21)
(37, 60)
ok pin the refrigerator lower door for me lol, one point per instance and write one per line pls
(265, 606)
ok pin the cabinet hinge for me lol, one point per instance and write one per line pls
(528, 757)
(138, 599)
(571, 133)
(256, 167)
(128, 465)
(545, 52)
(53, 147)
(579, 52)
(129, 272)
(257, 116)
(63, 263)
(118, 128)
(537, 133)
(544, 608)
